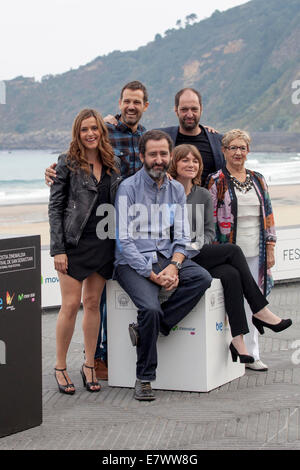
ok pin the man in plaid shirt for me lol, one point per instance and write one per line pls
(125, 134)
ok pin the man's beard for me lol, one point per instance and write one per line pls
(156, 174)
(189, 126)
(131, 120)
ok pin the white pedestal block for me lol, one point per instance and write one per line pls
(194, 357)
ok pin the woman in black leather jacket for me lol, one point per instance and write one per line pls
(87, 177)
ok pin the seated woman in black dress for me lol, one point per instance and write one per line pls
(225, 262)
(86, 177)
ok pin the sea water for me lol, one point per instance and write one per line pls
(22, 176)
(22, 173)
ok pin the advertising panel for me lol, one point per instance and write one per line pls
(287, 254)
(20, 334)
(51, 296)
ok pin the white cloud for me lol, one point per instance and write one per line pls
(39, 37)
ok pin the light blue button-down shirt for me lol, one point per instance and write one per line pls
(144, 215)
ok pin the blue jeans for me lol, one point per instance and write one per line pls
(154, 317)
(101, 348)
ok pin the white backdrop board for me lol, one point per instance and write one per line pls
(50, 283)
(287, 254)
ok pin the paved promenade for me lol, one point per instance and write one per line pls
(260, 410)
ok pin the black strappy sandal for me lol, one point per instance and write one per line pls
(63, 388)
(88, 385)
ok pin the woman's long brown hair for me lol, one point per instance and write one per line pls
(76, 154)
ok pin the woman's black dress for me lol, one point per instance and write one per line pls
(92, 254)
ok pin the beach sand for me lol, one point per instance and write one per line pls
(32, 219)
(286, 204)
(25, 219)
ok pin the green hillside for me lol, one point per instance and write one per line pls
(243, 61)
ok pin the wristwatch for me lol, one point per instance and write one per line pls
(177, 264)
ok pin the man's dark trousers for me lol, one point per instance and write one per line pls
(154, 317)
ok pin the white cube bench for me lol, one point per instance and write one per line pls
(194, 357)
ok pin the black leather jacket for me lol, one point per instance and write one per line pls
(72, 197)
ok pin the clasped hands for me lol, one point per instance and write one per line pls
(167, 278)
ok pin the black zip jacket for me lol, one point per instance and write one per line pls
(72, 197)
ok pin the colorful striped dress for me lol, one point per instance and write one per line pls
(225, 217)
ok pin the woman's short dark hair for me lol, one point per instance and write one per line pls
(155, 134)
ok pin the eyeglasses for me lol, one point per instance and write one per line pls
(234, 148)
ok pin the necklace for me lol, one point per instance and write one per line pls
(242, 187)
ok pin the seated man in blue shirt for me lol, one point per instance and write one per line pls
(147, 258)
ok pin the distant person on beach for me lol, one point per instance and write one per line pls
(145, 263)
(86, 176)
(243, 215)
(223, 261)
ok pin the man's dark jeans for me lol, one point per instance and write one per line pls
(101, 348)
(154, 317)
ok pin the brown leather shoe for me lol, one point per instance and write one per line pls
(101, 369)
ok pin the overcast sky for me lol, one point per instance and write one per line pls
(40, 37)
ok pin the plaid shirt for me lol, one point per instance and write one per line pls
(125, 144)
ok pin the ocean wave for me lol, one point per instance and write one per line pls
(10, 182)
(24, 196)
(277, 172)
(253, 161)
(22, 177)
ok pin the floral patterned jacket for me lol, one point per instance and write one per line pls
(225, 216)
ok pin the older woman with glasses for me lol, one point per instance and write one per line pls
(243, 215)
